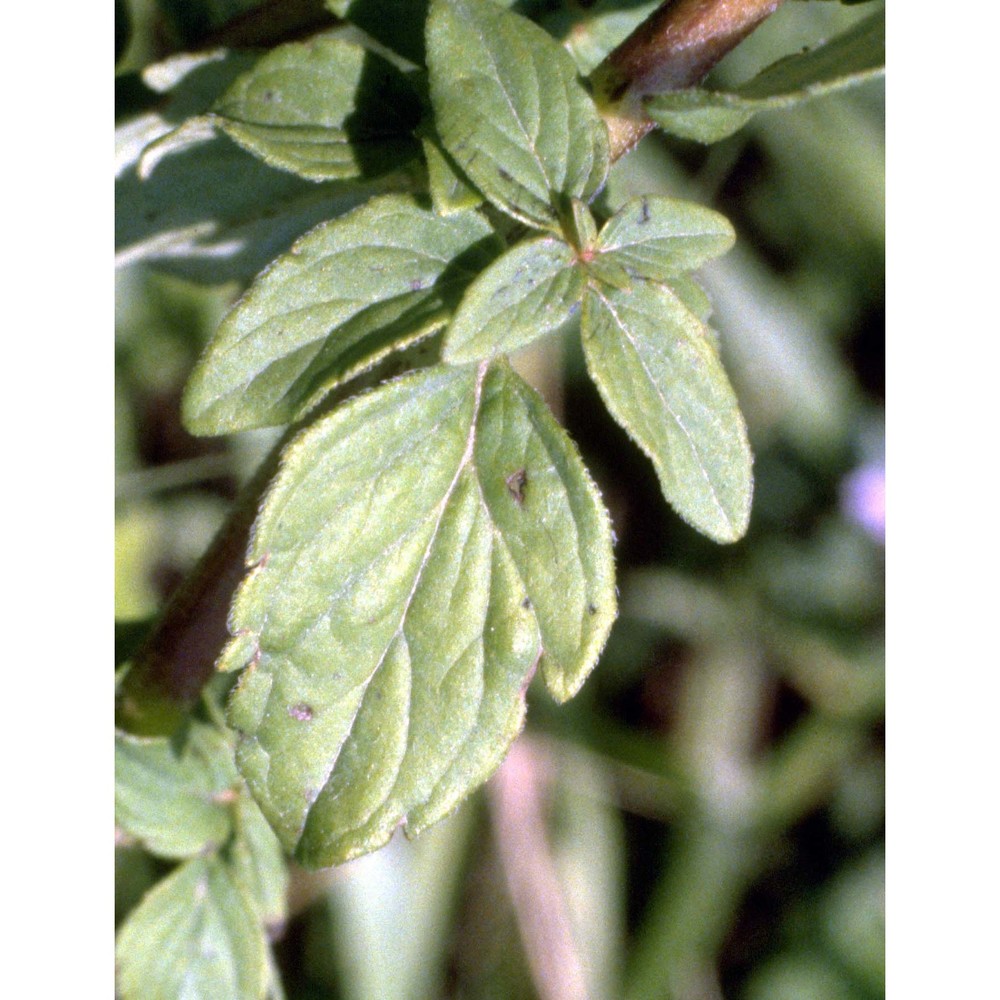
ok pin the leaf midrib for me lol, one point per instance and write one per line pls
(399, 631)
(667, 408)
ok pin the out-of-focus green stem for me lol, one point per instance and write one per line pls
(714, 849)
(718, 845)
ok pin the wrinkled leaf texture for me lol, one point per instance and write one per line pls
(345, 295)
(424, 548)
(511, 110)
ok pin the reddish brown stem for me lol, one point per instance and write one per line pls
(674, 48)
(178, 657)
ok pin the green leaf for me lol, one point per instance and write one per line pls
(326, 109)
(659, 238)
(259, 864)
(692, 295)
(531, 290)
(579, 227)
(193, 202)
(450, 191)
(424, 548)
(175, 803)
(343, 297)
(193, 935)
(662, 380)
(590, 31)
(853, 57)
(511, 110)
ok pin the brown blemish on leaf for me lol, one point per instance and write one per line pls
(301, 711)
(516, 483)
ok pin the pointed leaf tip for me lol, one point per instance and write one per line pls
(662, 379)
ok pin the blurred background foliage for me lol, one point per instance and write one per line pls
(706, 818)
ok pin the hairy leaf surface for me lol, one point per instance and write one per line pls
(169, 800)
(326, 109)
(193, 935)
(511, 110)
(661, 377)
(259, 865)
(659, 238)
(855, 56)
(343, 297)
(450, 191)
(531, 290)
(423, 549)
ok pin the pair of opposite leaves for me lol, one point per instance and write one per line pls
(428, 545)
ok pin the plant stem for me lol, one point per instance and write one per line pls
(272, 23)
(177, 658)
(672, 49)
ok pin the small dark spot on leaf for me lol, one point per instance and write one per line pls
(516, 482)
(644, 214)
(301, 711)
(268, 95)
(526, 603)
(504, 176)
(416, 285)
(591, 609)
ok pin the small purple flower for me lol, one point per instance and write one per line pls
(862, 499)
